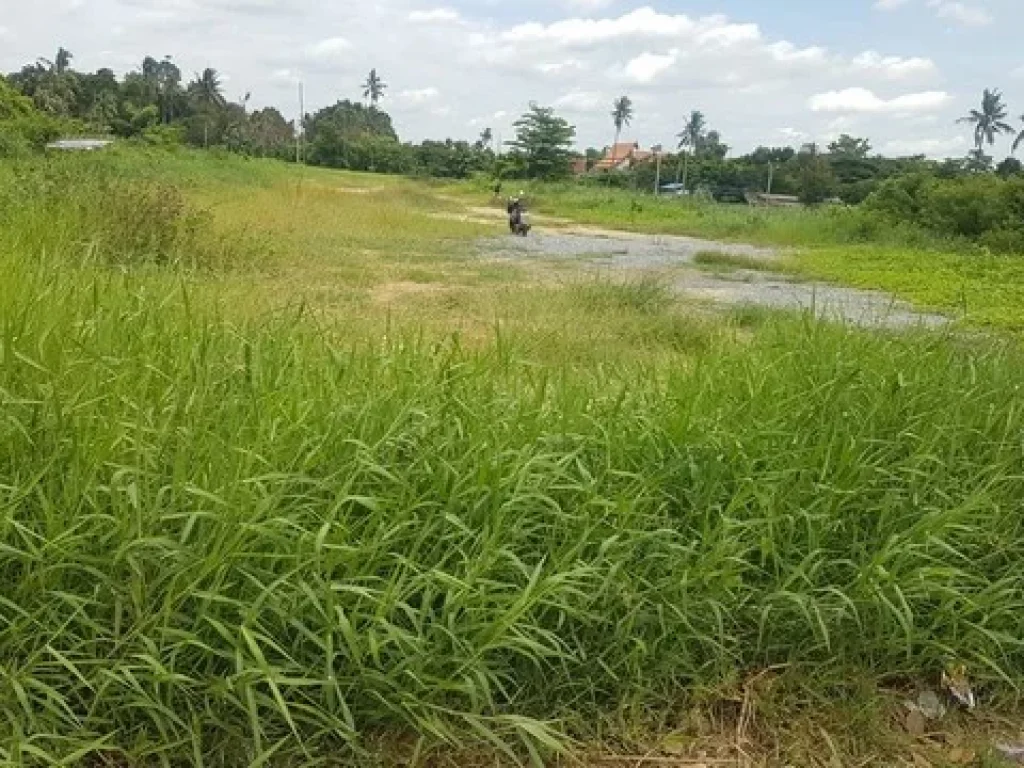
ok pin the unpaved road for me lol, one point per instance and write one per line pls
(626, 254)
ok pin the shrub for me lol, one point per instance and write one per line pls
(22, 127)
(983, 208)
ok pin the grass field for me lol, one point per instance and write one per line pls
(289, 475)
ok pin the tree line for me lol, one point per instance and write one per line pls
(156, 104)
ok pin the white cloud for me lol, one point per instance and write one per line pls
(946, 147)
(647, 66)
(417, 96)
(890, 5)
(328, 50)
(582, 101)
(785, 51)
(794, 135)
(586, 5)
(435, 15)
(967, 15)
(893, 67)
(285, 75)
(641, 23)
(858, 100)
(561, 67)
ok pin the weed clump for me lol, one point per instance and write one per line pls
(86, 214)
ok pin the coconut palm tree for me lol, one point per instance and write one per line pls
(207, 90)
(485, 140)
(988, 122)
(373, 88)
(1020, 137)
(691, 139)
(62, 63)
(622, 115)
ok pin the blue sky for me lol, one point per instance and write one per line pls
(764, 71)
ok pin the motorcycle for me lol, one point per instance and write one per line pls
(521, 225)
(518, 219)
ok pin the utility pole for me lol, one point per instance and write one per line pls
(300, 134)
(771, 176)
(657, 177)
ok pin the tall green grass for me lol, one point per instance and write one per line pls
(223, 544)
(228, 542)
(801, 227)
(77, 210)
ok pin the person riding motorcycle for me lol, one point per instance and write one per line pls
(515, 209)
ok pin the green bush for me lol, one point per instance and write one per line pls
(22, 127)
(983, 208)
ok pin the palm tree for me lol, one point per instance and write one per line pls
(62, 62)
(373, 88)
(167, 79)
(622, 115)
(485, 140)
(691, 140)
(206, 89)
(207, 93)
(989, 121)
(1020, 138)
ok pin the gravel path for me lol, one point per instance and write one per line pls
(625, 254)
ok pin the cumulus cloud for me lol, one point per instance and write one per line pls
(435, 15)
(417, 96)
(582, 101)
(794, 135)
(586, 5)
(944, 147)
(647, 66)
(862, 100)
(328, 50)
(893, 67)
(967, 15)
(561, 68)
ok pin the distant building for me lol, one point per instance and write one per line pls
(622, 157)
(579, 166)
(79, 145)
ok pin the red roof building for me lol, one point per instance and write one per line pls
(622, 156)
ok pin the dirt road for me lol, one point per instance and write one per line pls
(675, 259)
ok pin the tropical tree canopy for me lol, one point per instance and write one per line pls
(1020, 137)
(692, 136)
(206, 90)
(622, 114)
(544, 142)
(850, 146)
(373, 88)
(989, 121)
